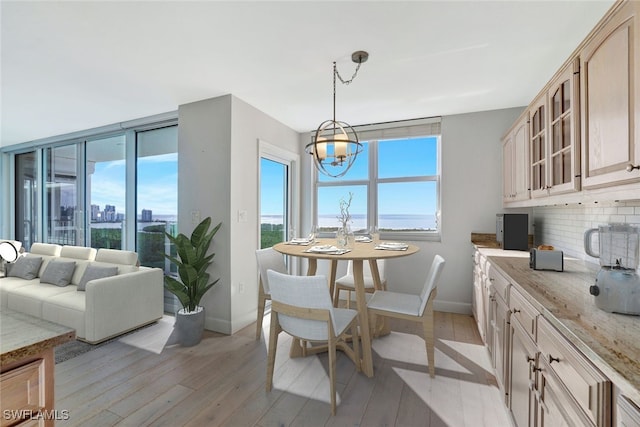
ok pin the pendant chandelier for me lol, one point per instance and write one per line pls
(334, 145)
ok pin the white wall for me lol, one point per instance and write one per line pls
(248, 126)
(564, 226)
(218, 176)
(204, 182)
(471, 196)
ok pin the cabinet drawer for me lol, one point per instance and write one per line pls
(22, 388)
(498, 281)
(523, 312)
(588, 386)
(628, 414)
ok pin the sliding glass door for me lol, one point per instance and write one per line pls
(62, 207)
(106, 188)
(26, 198)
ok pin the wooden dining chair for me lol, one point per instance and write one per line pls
(301, 306)
(268, 259)
(347, 282)
(417, 308)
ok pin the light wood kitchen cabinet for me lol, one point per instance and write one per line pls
(545, 379)
(478, 297)
(554, 146)
(515, 161)
(627, 414)
(554, 406)
(590, 389)
(610, 86)
(538, 147)
(498, 340)
(524, 312)
(522, 375)
(23, 389)
(564, 144)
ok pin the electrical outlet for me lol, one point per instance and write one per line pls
(242, 216)
(240, 288)
(195, 217)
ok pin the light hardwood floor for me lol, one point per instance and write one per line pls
(221, 381)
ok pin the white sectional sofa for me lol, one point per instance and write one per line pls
(125, 295)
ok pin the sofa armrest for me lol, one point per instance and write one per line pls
(124, 302)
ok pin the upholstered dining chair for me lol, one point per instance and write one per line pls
(417, 308)
(268, 259)
(301, 306)
(347, 282)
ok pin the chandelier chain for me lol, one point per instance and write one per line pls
(347, 82)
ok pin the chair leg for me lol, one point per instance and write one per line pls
(273, 343)
(332, 373)
(336, 296)
(355, 342)
(429, 340)
(262, 301)
(348, 299)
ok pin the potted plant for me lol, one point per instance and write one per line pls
(192, 263)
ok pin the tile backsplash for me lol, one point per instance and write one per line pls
(564, 226)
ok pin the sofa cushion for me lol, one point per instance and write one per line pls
(50, 249)
(78, 252)
(66, 309)
(28, 299)
(8, 284)
(93, 272)
(25, 268)
(58, 273)
(116, 256)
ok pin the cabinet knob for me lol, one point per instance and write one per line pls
(553, 359)
(631, 167)
(529, 358)
(515, 310)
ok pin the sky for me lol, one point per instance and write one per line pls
(157, 178)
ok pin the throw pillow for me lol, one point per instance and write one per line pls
(58, 273)
(95, 272)
(26, 267)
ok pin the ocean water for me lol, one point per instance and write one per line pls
(359, 221)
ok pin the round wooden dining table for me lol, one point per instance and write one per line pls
(360, 252)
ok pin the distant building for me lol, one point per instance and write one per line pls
(147, 215)
(95, 213)
(109, 214)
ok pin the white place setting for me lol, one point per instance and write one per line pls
(392, 246)
(327, 249)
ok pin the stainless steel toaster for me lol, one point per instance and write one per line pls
(546, 260)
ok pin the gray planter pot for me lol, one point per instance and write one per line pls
(189, 327)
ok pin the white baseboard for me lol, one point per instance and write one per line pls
(452, 307)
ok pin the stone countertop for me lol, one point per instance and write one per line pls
(23, 336)
(610, 341)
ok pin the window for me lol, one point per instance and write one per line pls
(395, 183)
(106, 188)
(62, 208)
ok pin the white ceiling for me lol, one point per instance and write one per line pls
(69, 66)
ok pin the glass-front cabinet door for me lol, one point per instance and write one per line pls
(554, 141)
(538, 147)
(563, 147)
